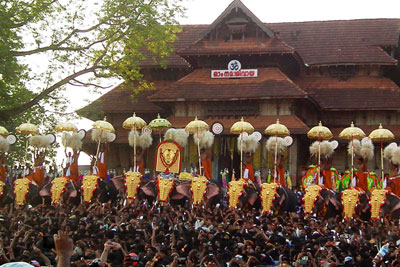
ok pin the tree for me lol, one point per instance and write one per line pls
(77, 42)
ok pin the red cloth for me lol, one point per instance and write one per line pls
(3, 173)
(206, 164)
(38, 175)
(249, 166)
(74, 172)
(362, 180)
(281, 175)
(394, 185)
(141, 167)
(327, 176)
(102, 167)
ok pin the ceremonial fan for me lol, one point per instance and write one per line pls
(195, 127)
(134, 123)
(240, 128)
(319, 133)
(277, 130)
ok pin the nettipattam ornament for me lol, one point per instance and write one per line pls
(234, 192)
(377, 200)
(165, 187)
(350, 198)
(199, 187)
(21, 189)
(268, 194)
(57, 188)
(310, 197)
(2, 185)
(185, 176)
(89, 185)
(132, 183)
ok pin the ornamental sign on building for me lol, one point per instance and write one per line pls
(234, 71)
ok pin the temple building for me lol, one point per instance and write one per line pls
(301, 73)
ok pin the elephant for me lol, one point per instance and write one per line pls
(8, 195)
(322, 201)
(390, 208)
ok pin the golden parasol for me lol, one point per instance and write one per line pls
(159, 124)
(134, 123)
(351, 133)
(3, 131)
(381, 135)
(105, 126)
(319, 133)
(66, 127)
(241, 127)
(195, 127)
(27, 129)
(277, 130)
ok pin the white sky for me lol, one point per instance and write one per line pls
(206, 11)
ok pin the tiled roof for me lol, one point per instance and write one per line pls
(271, 83)
(294, 124)
(365, 93)
(341, 42)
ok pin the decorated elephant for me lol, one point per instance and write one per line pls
(277, 199)
(95, 188)
(322, 201)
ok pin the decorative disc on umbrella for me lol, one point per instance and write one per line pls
(242, 126)
(277, 129)
(104, 125)
(352, 132)
(28, 128)
(159, 123)
(319, 132)
(3, 131)
(67, 127)
(381, 135)
(134, 122)
(196, 126)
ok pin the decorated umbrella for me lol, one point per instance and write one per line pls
(66, 127)
(27, 129)
(319, 133)
(3, 131)
(103, 126)
(195, 127)
(381, 135)
(134, 123)
(277, 130)
(241, 127)
(351, 133)
(159, 124)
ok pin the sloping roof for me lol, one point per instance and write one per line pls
(358, 93)
(341, 41)
(292, 122)
(271, 83)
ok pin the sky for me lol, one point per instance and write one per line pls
(206, 11)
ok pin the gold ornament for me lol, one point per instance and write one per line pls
(168, 157)
(277, 129)
(235, 191)
(268, 193)
(2, 185)
(89, 184)
(164, 188)
(185, 176)
(378, 197)
(350, 198)
(311, 195)
(199, 186)
(21, 188)
(319, 132)
(132, 182)
(57, 188)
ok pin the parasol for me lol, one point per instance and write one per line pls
(159, 124)
(3, 131)
(319, 133)
(27, 129)
(351, 133)
(241, 127)
(381, 135)
(277, 130)
(105, 126)
(66, 127)
(134, 123)
(195, 127)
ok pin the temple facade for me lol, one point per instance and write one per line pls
(336, 72)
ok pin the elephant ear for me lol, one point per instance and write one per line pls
(11, 139)
(82, 134)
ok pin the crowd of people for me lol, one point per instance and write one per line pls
(143, 234)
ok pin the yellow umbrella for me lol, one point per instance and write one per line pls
(319, 133)
(351, 133)
(381, 135)
(66, 127)
(241, 127)
(195, 127)
(3, 131)
(103, 125)
(27, 129)
(134, 123)
(159, 124)
(277, 130)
